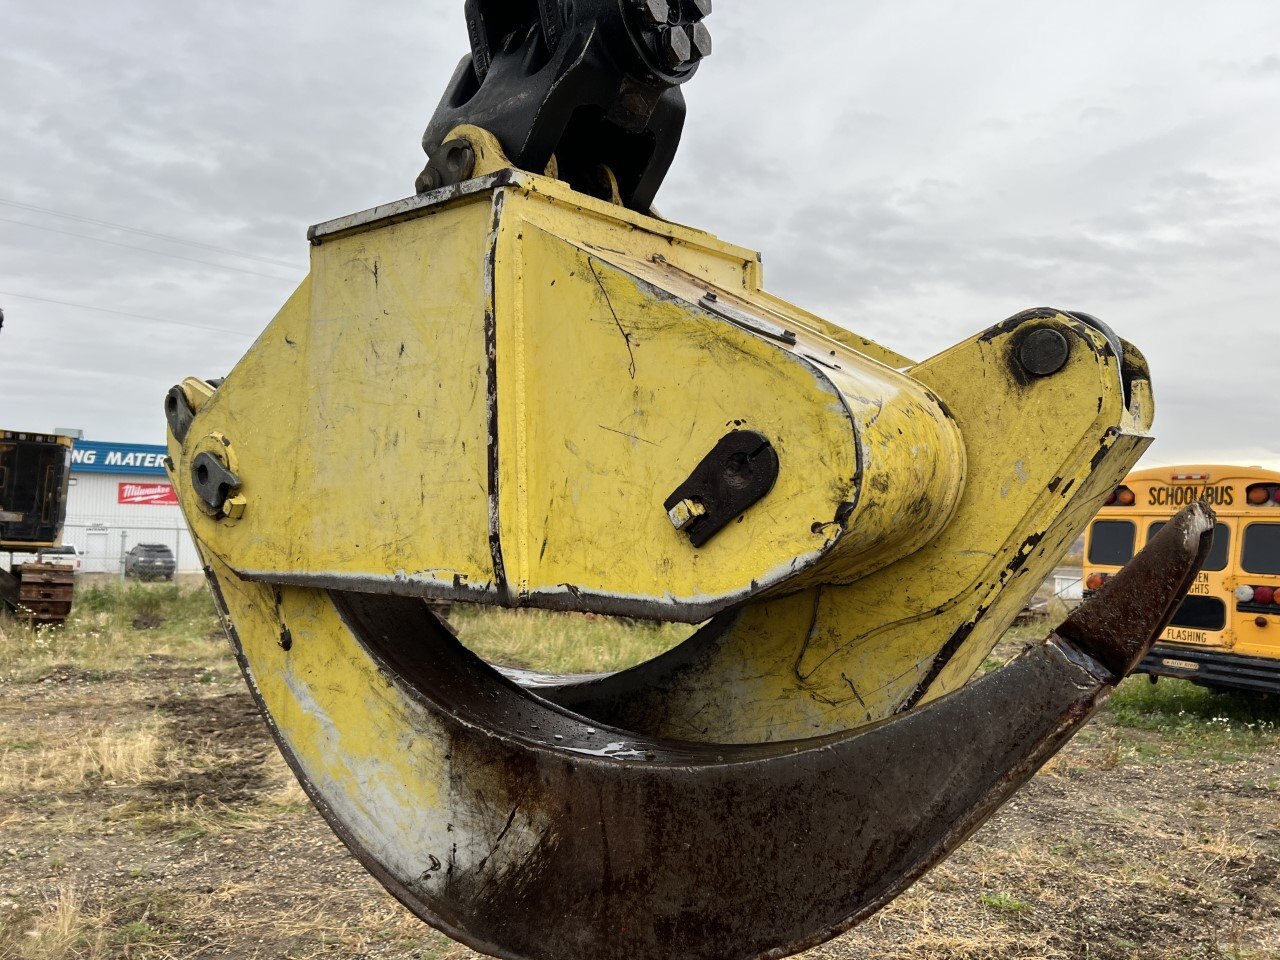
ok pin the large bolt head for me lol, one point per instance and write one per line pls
(458, 162)
(654, 12)
(703, 7)
(451, 163)
(429, 179)
(701, 39)
(1043, 352)
(677, 48)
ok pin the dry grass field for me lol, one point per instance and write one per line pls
(144, 813)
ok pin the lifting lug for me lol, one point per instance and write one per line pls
(213, 482)
(739, 471)
(178, 412)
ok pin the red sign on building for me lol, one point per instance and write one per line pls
(148, 494)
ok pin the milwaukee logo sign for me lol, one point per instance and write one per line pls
(148, 494)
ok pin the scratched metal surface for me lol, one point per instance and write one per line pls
(509, 434)
(836, 656)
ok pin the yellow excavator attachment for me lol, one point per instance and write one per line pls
(554, 417)
(523, 389)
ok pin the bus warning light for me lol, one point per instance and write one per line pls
(1121, 496)
(1259, 494)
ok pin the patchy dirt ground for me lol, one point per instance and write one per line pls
(144, 813)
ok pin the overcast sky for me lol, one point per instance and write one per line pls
(914, 171)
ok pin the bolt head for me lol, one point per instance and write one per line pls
(1043, 352)
(458, 161)
(428, 180)
(654, 12)
(701, 39)
(677, 48)
(703, 7)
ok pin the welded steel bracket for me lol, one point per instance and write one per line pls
(738, 472)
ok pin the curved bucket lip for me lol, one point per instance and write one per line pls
(709, 816)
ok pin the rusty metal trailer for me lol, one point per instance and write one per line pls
(34, 475)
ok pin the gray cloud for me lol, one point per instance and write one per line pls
(1268, 66)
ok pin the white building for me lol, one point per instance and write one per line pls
(1068, 585)
(120, 496)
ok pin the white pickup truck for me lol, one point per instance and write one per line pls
(65, 555)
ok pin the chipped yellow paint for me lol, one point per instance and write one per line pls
(618, 398)
(1043, 453)
(364, 371)
(373, 757)
(491, 159)
(489, 395)
(325, 695)
(583, 349)
(197, 392)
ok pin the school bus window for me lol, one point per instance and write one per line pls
(1111, 542)
(1200, 613)
(1219, 552)
(1261, 550)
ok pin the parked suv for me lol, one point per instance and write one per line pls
(150, 561)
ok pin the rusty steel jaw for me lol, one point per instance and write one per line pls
(528, 831)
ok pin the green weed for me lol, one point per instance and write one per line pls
(1004, 902)
(113, 628)
(1192, 719)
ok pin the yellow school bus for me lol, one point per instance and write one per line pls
(1226, 633)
